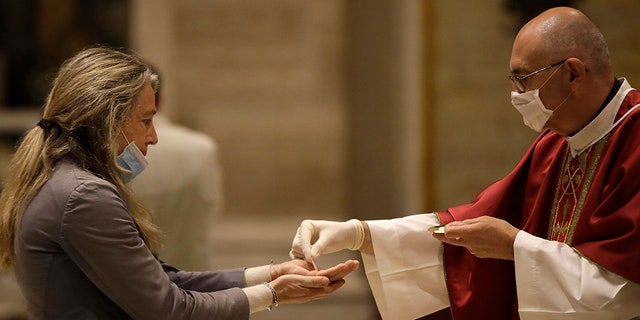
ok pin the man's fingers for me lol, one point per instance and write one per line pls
(459, 229)
(318, 248)
(301, 248)
(295, 254)
(456, 241)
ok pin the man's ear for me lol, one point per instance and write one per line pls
(577, 70)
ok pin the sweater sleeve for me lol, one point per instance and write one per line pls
(103, 241)
(204, 281)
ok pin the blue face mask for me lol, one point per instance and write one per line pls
(132, 160)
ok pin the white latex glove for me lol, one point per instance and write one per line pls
(317, 237)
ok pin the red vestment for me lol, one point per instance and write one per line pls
(605, 227)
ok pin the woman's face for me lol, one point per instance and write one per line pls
(139, 126)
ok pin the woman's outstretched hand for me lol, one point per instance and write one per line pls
(297, 281)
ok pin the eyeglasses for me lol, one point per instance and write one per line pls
(518, 81)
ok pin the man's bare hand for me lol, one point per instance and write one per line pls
(484, 237)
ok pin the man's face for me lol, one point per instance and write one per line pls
(139, 126)
(524, 61)
(521, 63)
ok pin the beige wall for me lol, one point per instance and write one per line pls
(319, 106)
(262, 77)
(476, 135)
(269, 80)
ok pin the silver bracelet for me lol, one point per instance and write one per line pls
(275, 300)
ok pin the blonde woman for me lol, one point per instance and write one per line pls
(80, 245)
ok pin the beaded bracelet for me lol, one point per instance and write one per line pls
(275, 301)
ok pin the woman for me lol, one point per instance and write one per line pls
(81, 247)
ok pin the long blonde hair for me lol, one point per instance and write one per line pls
(92, 95)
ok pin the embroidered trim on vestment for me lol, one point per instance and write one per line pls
(572, 189)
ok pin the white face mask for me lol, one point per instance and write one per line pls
(534, 114)
(133, 160)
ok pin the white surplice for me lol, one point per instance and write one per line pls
(407, 278)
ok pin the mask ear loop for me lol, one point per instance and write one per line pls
(125, 136)
(545, 82)
(551, 76)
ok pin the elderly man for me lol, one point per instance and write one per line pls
(559, 236)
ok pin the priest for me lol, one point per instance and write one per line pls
(559, 236)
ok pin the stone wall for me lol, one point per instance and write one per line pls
(263, 78)
(273, 82)
(476, 135)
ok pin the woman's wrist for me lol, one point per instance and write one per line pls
(275, 300)
(260, 297)
(257, 275)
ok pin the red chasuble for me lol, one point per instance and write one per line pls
(591, 202)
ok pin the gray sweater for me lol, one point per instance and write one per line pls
(79, 255)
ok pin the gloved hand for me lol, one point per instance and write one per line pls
(317, 237)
